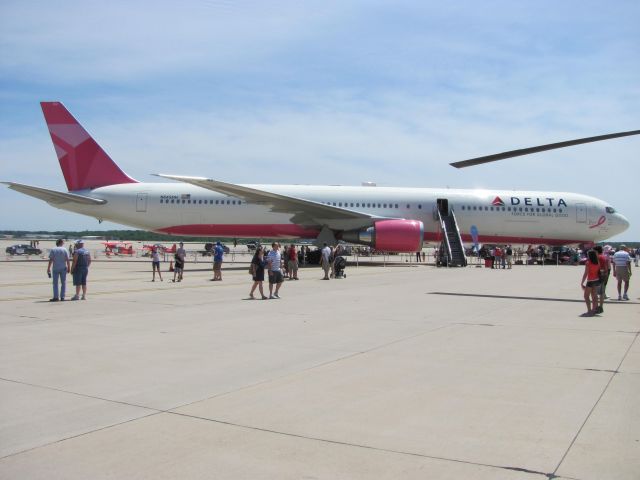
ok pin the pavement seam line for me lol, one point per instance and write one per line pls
(604, 390)
(307, 369)
(154, 411)
(93, 397)
(169, 410)
(80, 435)
(541, 327)
(356, 445)
(115, 292)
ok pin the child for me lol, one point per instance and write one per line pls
(155, 264)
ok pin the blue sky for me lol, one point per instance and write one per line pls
(325, 93)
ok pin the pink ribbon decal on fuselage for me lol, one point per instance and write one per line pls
(601, 220)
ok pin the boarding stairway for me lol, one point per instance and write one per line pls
(451, 248)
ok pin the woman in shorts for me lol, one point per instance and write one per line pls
(592, 276)
(155, 264)
(179, 267)
(257, 273)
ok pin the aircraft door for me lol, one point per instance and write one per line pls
(581, 213)
(443, 206)
(141, 202)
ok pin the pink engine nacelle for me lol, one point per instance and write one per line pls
(390, 235)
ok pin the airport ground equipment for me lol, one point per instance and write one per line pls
(451, 248)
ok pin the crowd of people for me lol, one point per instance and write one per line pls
(497, 256)
(283, 263)
(280, 263)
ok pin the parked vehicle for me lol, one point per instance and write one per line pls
(23, 249)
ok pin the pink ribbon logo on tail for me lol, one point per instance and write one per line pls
(601, 220)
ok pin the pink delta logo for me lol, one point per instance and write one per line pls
(497, 202)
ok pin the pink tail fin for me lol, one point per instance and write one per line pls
(84, 164)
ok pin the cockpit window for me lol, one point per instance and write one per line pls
(610, 210)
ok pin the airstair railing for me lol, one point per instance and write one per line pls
(445, 241)
(455, 222)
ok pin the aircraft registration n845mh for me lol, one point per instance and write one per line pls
(386, 218)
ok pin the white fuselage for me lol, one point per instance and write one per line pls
(498, 216)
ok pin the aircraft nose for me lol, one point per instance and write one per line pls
(621, 223)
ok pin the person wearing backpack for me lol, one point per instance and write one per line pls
(509, 252)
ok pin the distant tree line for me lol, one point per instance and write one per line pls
(143, 235)
(133, 235)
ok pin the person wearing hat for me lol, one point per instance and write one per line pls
(218, 254)
(80, 269)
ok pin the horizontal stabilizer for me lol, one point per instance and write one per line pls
(53, 196)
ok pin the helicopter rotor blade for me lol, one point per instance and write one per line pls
(540, 148)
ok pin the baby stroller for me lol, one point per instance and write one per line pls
(338, 267)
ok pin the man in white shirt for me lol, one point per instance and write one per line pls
(59, 259)
(325, 260)
(274, 262)
(622, 270)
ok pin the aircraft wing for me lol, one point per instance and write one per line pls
(53, 197)
(305, 212)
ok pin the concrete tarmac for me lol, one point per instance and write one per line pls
(407, 372)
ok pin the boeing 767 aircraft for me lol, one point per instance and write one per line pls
(386, 218)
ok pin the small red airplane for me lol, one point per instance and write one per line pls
(159, 247)
(118, 248)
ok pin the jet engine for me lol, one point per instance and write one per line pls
(389, 235)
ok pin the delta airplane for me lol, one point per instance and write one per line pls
(386, 218)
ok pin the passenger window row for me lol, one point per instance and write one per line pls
(366, 205)
(201, 202)
(511, 209)
(239, 202)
